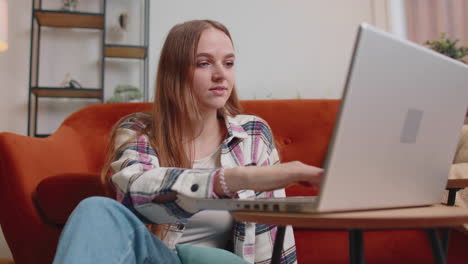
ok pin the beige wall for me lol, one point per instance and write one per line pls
(286, 49)
(304, 44)
(14, 69)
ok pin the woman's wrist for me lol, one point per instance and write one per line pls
(224, 182)
(236, 179)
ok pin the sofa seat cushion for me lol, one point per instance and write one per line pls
(58, 195)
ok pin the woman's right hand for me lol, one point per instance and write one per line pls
(272, 177)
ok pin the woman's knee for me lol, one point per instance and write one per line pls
(98, 207)
(104, 209)
(94, 202)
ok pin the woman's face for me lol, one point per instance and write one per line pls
(213, 78)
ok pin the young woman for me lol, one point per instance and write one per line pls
(194, 144)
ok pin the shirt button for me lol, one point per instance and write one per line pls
(194, 188)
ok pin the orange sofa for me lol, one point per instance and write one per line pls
(42, 180)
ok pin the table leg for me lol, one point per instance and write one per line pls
(445, 239)
(452, 195)
(276, 257)
(437, 249)
(356, 247)
(446, 231)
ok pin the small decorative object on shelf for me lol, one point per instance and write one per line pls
(118, 31)
(68, 82)
(126, 93)
(123, 21)
(70, 5)
(448, 47)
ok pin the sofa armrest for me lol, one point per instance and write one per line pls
(461, 155)
(57, 196)
(459, 171)
(24, 163)
(27, 160)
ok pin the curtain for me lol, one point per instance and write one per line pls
(426, 19)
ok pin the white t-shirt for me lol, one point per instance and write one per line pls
(208, 228)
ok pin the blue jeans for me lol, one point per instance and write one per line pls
(101, 230)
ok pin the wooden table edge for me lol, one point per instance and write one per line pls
(457, 183)
(418, 217)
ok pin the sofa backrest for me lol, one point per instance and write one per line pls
(93, 125)
(302, 128)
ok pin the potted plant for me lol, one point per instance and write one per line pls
(448, 47)
(126, 93)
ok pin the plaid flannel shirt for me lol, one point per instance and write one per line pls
(142, 185)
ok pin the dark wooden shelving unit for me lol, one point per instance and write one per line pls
(82, 20)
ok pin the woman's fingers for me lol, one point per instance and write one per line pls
(316, 172)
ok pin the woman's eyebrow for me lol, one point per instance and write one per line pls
(230, 55)
(203, 54)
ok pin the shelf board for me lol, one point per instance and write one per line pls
(123, 51)
(52, 18)
(67, 92)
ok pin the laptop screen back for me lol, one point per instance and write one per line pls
(401, 116)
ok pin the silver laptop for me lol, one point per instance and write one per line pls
(402, 110)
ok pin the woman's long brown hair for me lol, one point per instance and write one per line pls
(175, 108)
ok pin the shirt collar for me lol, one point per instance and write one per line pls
(234, 129)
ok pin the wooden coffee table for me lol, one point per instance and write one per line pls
(429, 218)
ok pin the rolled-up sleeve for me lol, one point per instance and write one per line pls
(156, 194)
